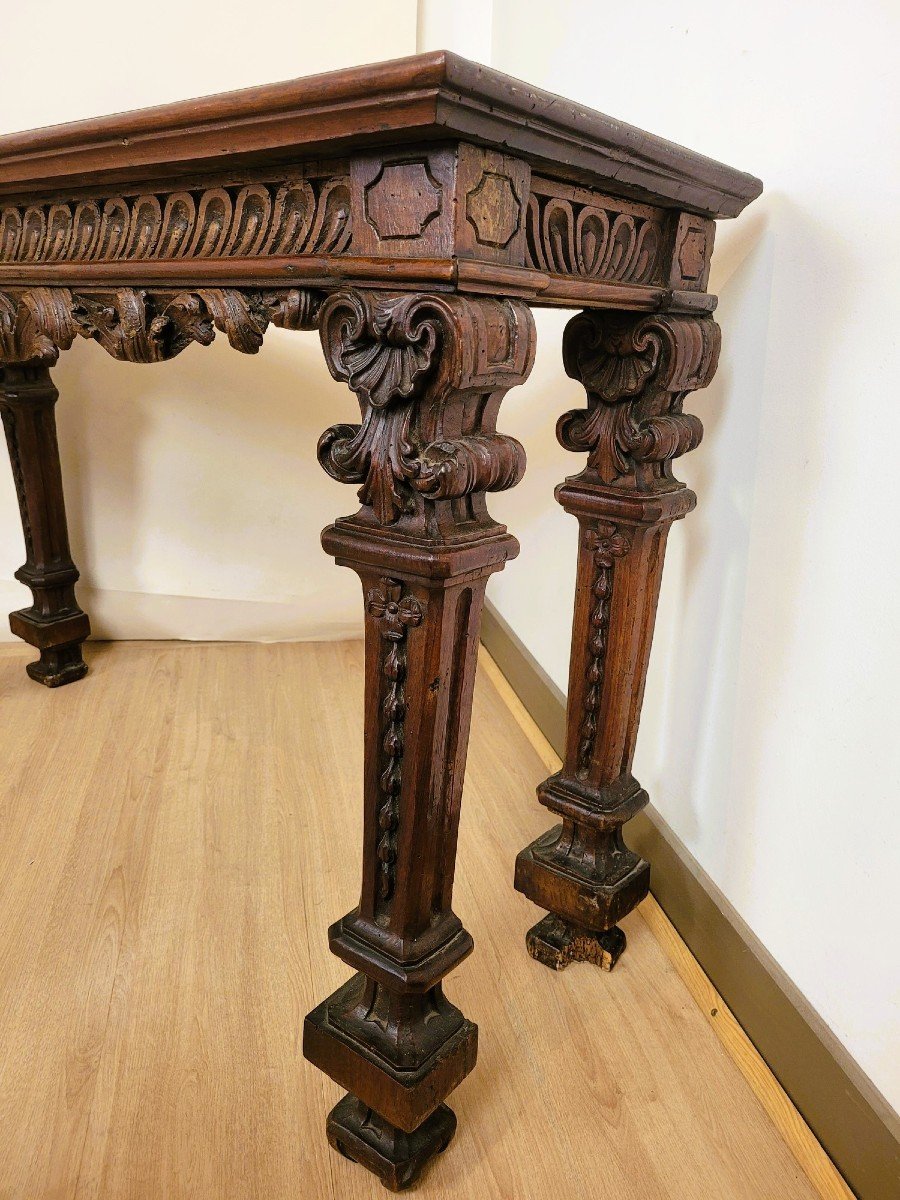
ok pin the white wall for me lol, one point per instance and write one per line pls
(769, 740)
(769, 735)
(195, 500)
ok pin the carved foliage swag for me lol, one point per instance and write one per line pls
(143, 326)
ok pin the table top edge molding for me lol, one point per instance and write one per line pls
(424, 98)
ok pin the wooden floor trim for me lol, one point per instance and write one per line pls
(840, 1128)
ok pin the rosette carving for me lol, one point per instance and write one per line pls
(412, 359)
(637, 372)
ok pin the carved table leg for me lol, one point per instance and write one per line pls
(637, 371)
(429, 372)
(54, 623)
(133, 326)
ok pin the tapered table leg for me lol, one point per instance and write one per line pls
(429, 372)
(53, 623)
(637, 371)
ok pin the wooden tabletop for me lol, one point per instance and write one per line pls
(425, 98)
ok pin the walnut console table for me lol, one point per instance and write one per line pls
(414, 212)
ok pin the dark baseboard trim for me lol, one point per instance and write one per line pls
(855, 1125)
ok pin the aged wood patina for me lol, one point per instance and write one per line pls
(414, 212)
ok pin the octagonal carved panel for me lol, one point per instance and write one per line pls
(402, 200)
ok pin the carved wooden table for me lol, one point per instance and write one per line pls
(414, 212)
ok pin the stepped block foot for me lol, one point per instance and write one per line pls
(556, 943)
(396, 1157)
(58, 666)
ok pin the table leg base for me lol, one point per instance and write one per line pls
(556, 943)
(58, 638)
(58, 665)
(396, 1157)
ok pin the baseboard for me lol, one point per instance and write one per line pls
(118, 614)
(855, 1125)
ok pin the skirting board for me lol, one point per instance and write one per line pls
(856, 1126)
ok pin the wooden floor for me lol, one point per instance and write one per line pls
(171, 856)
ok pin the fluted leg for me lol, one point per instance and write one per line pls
(53, 623)
(429, 372)
(637, 371)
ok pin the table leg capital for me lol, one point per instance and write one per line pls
(636, 371)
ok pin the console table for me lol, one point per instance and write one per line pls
(414, 212)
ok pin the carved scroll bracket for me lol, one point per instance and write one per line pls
(429, 373)
(637, 372)
(144, 326)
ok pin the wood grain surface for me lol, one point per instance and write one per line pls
(173, 848)
(427, 97)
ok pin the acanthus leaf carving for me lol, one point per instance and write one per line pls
(127, 327)
(378, 454)
(35, 328)
(238, 315)
(410, 358)
(140, 326)
(383, 349)
(453, 468)
(637, 372)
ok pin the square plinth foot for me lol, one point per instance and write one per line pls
(405, 1098)
(397, 1158)
(585, 899)
(556, 943)
(58, 639)
(57, 666)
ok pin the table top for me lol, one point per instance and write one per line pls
(428, 98)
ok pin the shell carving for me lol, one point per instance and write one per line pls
(384, 352)
(390, 364)
(636, 372)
